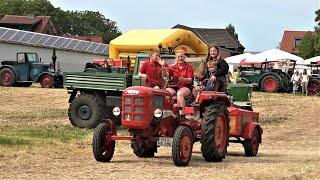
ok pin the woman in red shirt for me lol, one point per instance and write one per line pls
(182, 73)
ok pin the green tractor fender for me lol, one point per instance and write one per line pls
(244, 80)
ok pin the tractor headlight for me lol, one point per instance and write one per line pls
(157, 113)
(116, 111)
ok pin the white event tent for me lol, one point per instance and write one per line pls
(312, 60)
(237, 59)
(273, 55)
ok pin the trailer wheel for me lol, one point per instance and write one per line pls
(270, 83)
(86, 111)
(314, 87)
(143, 149)
(102, 145)
(46, 81)
(7, 77)
(251, 146)
(182, 146)
(215, 132)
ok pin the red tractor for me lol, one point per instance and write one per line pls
(153, 120)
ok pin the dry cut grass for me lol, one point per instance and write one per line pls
(38, 142)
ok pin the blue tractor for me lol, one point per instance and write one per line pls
(28, 68)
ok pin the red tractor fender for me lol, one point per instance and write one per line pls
(249, 128)
(207, 96)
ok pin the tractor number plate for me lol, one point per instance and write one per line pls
(164, 142)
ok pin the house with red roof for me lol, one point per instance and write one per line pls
(291, 41)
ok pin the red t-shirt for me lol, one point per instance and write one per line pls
(186, 72)
(152, 71)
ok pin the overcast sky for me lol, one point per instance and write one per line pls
(259, 23)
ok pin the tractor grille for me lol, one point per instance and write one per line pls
(133, 108)
(157, 102)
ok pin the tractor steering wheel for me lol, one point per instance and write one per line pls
(169, 82)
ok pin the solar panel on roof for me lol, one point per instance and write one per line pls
(8, 35)
(72, 44)
(93, 47)
(80, 45)
(66, 43)
(59, 42)
(35, 39)
(26, 38)
(43, 40)
(99, 49)
(50, 41)
(18, 36)
(86, 46)
(3, 31)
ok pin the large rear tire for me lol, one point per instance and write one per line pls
(144, 149)
(314, 87)
(102, 145)
(7, 77)
(270, 83)
(86, 111)
(251, 146)
(182, 146)
(215, 132)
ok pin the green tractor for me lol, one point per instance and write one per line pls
(268, 79)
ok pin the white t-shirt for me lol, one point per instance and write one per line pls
(305, 78)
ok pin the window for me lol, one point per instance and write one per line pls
(297, 42)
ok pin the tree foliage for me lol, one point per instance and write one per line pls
(231, 29)
(307, 46)
(67, 22)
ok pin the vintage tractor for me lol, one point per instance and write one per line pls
(153, 120)
(269, 79)
(26, 69)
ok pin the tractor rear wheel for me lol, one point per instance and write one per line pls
(270, 83)
(251, 146)
(144, 149)
(46, 81)
(314, 87)
(102, 145)
(7, 77)
(86, 111)
(182, 146)
(215, 132)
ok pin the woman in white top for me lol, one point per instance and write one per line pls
(304, 82)
(295, 79)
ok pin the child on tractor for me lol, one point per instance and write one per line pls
(207, 84)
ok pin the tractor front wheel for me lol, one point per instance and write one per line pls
(86, 111)
(182, 146)
(46, 81)
(314, 87)
(215, 132)
(269, 83)
(102, 144)
(7, 77)
(251, 146)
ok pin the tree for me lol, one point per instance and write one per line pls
(307, 45)
(67, 22)
(231, 29)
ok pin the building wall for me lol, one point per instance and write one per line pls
(70, 61)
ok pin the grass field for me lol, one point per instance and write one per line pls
(37, 141)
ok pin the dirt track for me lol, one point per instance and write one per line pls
(290, 149)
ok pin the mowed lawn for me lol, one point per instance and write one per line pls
(37, 141)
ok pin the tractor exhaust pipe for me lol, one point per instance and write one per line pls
(54, 59)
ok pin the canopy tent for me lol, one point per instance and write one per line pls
(272, 55)
(314, 60)
(237, 59)
(143, 40)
